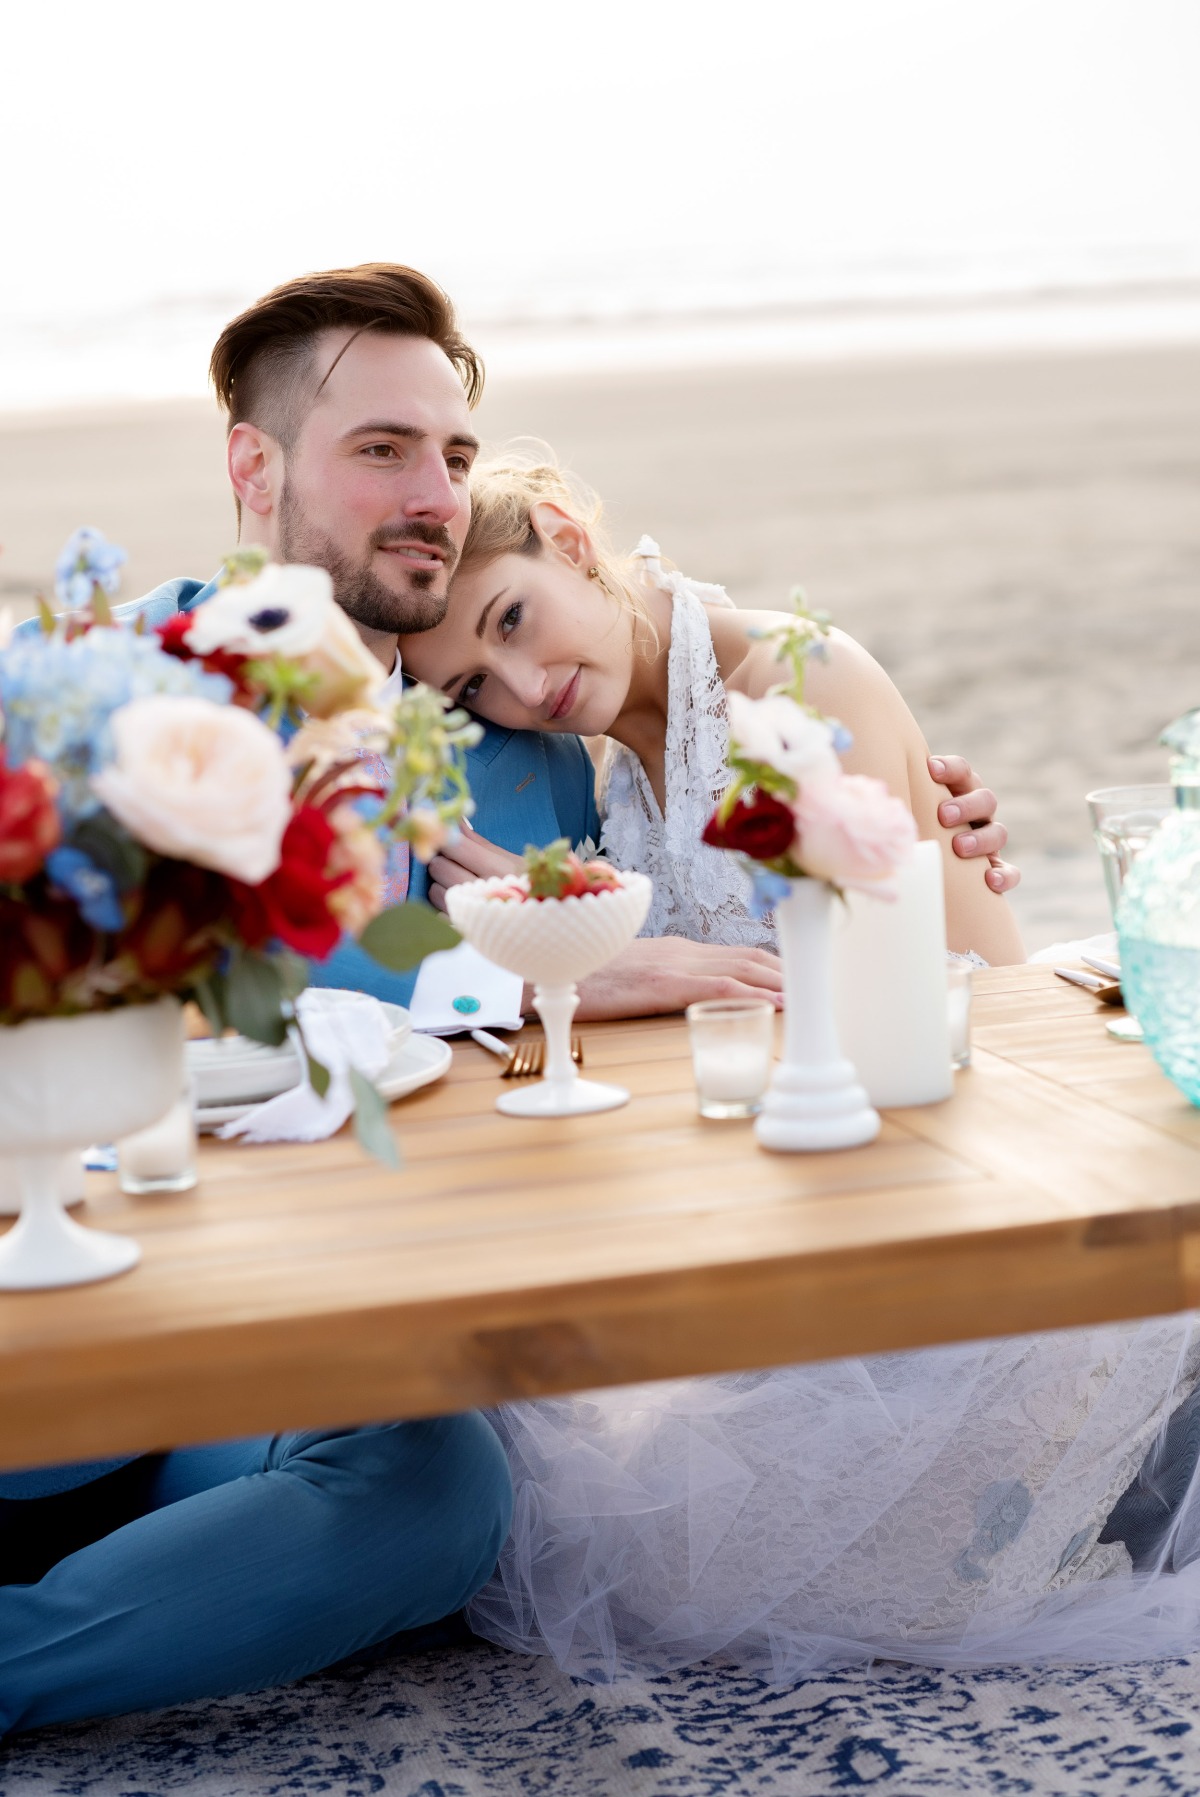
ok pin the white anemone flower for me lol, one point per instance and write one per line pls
(781, 733)
(289, 612)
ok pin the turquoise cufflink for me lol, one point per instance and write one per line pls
(467, 1006)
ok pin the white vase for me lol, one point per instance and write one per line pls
(65, 1082)
(815, 1099)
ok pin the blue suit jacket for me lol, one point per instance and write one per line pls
(527, 789)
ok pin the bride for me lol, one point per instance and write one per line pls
(986, 1502)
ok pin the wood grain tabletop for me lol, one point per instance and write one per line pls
(303, 1284)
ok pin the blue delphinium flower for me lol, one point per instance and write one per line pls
(57, 698)
(766, 890)
(94, 891)
(88, 559)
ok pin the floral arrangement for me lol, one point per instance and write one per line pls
(558, 872)
(791, 812)
(199, 808)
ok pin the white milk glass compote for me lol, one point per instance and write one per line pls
(553, 943)
(65, 1082)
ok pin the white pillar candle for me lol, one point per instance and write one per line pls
(889, 976)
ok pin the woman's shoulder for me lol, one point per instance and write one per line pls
(750, 663)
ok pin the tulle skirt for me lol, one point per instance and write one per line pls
(945, 1507)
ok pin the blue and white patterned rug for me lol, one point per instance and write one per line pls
(475, 1722)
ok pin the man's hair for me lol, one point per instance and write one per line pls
(263, 363)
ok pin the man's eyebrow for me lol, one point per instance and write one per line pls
(385, 427)
(461, 440)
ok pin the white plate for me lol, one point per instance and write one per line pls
(417, 1062)
(234, 1071)
(210, 1117)
(411, 1065)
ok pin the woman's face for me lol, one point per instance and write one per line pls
(529, 643)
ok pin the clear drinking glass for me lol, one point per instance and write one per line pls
(1124, 818)
(732, 1044)
(958, 1011)
(161, 1158)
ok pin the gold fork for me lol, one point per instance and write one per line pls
(528, 1058)
(523, 1060)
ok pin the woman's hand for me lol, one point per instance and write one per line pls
(472, 857)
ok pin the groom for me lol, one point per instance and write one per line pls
(206, 1570)
(347, 396)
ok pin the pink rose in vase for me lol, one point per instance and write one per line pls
(851, 831)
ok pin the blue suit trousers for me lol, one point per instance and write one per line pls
(244, 1564)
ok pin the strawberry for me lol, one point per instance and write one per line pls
(557, 872)
(601, 876)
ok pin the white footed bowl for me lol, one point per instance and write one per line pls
(553, 942)
(70, 1184)
(65, 1082)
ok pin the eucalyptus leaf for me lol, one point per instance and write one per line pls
(113, 850)
(318, 1075)
(209, 995)
(371, 1121)
(292, 970)
(254, 998)
(402, 936)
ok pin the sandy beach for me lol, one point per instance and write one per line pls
(1015, 537)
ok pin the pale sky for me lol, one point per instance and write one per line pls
(533, 154)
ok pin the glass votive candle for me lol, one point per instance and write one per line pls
(732, 1043)
(161, 1158)
(958, 1013)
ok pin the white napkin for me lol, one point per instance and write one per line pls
(1104, 945)
(342, 1030)
(462, 973)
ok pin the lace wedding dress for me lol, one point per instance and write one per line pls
(699, 892)
(966, 1505)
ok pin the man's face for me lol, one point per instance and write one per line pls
(376, 484)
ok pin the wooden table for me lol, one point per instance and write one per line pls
(305, 1284)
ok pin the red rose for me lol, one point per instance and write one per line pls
(762, 827)
(173, 635)
(29, 821)
(293, 902)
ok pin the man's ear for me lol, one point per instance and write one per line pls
(558, 530)
(255, 463)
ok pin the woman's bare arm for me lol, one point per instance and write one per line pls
(851, 686)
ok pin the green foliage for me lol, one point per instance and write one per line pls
(426, 749)
(243, 566)
(796, 641)
(254, 996)
(401, 936)
(549, 869)
(113, 850)
(371, 1121)
(318, 1075)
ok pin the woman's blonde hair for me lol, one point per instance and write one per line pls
(506, 486)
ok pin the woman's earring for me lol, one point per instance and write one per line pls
(595, 574)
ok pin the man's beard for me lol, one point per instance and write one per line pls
(357, 589)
